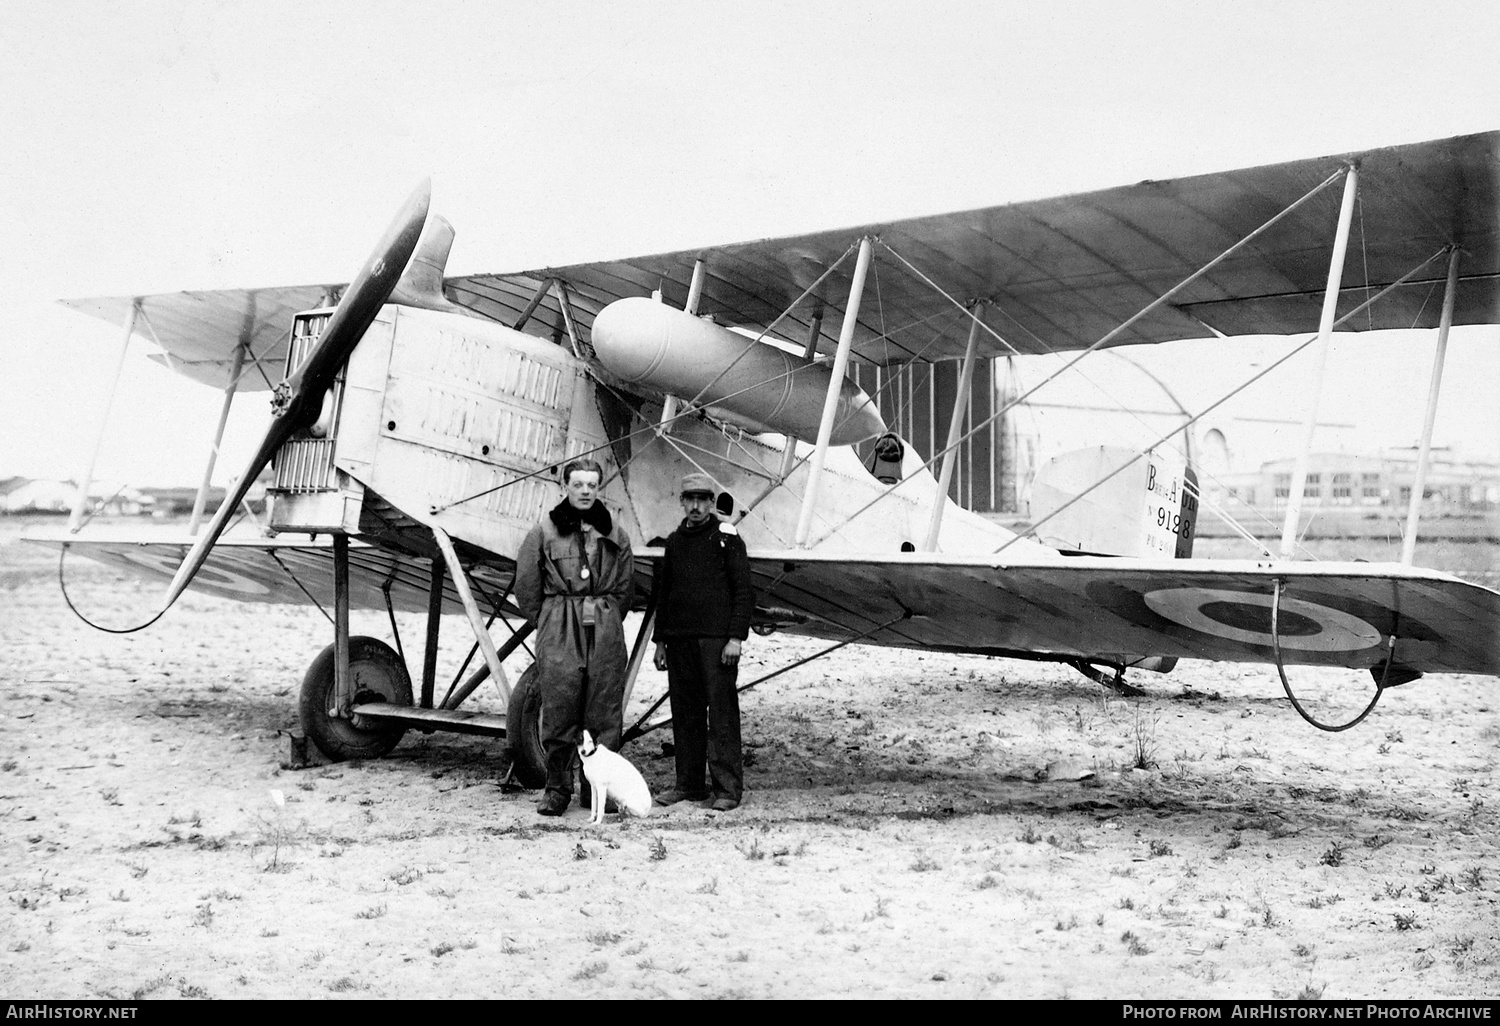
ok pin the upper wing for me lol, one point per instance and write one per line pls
(199, 331)
(1060, 273)
(1338, 614)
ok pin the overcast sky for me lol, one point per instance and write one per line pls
(161, 146)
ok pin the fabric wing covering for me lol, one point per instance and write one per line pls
(1334, 614)
(1059, 273)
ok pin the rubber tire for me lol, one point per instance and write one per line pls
(523, 730)
(379, 676)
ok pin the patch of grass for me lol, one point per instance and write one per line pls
(591, 970)
(1125, 903)
(1311, 993)
(1459, 948)
(1142, 739)
(924, 864)
(342, 985)
(1473, 878)
(1334, 856)
(753, 850)
(204, 917)
(658, 851)
(880, 911)
(1394, 891)
(137, 871)
(1029, 834)
(740, 956)
(709, 886)
(373, 912)
(1064, 927)
(1133, 944)
(1160, 848)
(602, 938)
(1375, 842)
(404, 876)
(1405, 921)
(580, 853)
(987, 881)
(441, 949)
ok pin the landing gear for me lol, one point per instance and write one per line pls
(523, 724)
(377, 675)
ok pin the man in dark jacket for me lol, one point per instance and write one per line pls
(704, 600)
(575, 575)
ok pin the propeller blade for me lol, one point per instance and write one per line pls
(300, 398)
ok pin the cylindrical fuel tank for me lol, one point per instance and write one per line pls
(672, 351)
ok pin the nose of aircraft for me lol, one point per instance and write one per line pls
(300, 398)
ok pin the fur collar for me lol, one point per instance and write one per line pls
(567, 519)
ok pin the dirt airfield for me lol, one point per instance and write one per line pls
(903, 835)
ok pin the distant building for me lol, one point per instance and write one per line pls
(26, 495)
(1353, 482)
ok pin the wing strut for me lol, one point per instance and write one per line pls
(1325, 334)
(1107, 337)
(789, 451)
(955, 431)
(476, 621)
(695, 294)
(201, 499)
(82, 498)
(831, 400)
(1424, 451)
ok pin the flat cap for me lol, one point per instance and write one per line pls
(698, 484)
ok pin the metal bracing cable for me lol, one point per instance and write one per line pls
(768, 328)
(1021, 398)
(636, 729)
(1219, 402)
(649, 429)
(300, 586)
(1113, 333)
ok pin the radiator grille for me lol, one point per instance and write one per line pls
(305, 464)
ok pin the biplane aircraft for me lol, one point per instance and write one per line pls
(421, 422)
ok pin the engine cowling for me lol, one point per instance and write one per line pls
(671, 351)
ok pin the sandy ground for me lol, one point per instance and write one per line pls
(896, 840)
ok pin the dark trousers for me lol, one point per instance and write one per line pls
(705, 717)
(571, 704)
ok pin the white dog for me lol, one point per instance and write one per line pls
(611, 775)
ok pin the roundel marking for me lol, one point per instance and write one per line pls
(1246, 617)
(214, 577)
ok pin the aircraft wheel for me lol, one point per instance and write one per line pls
(523, 729)
(379, 676)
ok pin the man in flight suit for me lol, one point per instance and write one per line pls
(575, 576)
(704, 601)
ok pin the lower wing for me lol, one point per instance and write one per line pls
(1126, 610)
(275, 570)
(1122, 610)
